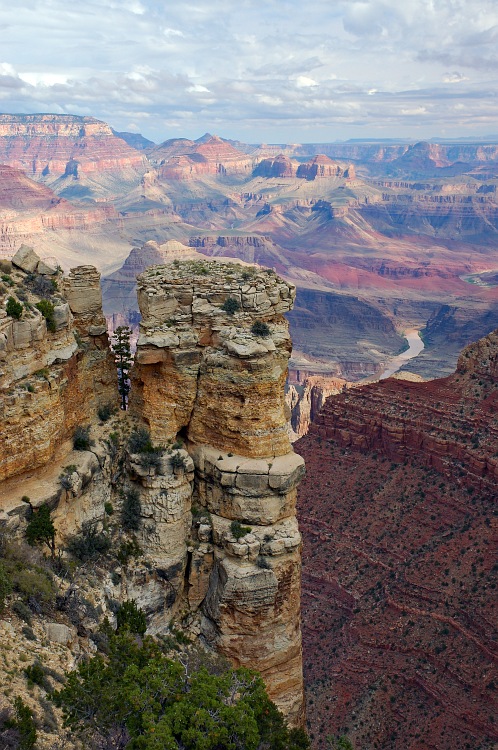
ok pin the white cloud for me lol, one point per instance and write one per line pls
(454, 77)
(275, 71)
(304, 82)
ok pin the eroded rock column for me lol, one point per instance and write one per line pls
(211, 366)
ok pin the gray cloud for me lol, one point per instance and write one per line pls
(280, 71)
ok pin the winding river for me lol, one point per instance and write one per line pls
(415, 346)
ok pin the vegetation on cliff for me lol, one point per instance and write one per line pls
(138, 698)
(136, 692)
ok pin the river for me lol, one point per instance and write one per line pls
(415, 346)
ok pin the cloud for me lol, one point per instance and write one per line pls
(275, 71)
(454, 77)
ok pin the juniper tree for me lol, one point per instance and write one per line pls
(122, 356)
(41, 530)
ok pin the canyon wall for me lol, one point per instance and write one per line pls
(64, 371)
(214, 544)
(46, 145)
(399, 559)
(449, 424)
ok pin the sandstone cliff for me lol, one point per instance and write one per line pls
(209, 384)
(65, 372)
(45, 145)
(204, 375)
(280, 166)
(322, 166)
(307, 399)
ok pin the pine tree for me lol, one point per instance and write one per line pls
(122, 356)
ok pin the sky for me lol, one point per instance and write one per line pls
(273, 71)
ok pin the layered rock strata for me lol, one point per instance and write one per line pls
(448, 424)
(46, 371)
(399, 569)
(45, 145)
(182, 159)
(205, 375)
(157, 582)
(306, 400)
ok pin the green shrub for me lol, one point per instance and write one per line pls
(131, 510)
(28, 633)
(154, 703)
(128, 549)
(25, 724)
(260, 329)
(178, 461)
(40, 285)
(34, 584)
(88, 543)
(5, 585)
(130, 617)
(150, 460)
(35, 673)
(47, 310)
(105, 412)
(14, 308)
(239, 531)
(22, 611)
(109, 509)
(139, 441)
(231, 306)
(81, 439)
(41, 530)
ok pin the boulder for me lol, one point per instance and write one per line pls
(58, 633)
(45, 270)
(26, 259)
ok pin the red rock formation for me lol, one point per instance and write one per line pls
(52, 145)
(19, 193)
(29, 209)
(322, 166)
(398, 583)
(185, 160)
(455, 428)
(280, 166)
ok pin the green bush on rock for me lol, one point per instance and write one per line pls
(154, 703)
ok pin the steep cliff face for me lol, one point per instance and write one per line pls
(205, 375)
(63, 145)
(398, 578)
(49, 371)
(449, 424)
(307, 399)
(322, 166)
(281, 166)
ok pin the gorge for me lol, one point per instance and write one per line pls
(213, 252)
